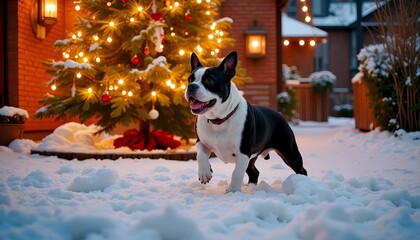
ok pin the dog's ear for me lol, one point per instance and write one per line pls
(195, 63)
(228, 65)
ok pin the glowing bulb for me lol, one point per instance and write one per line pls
(130, 93)
(181, 52)
(81, 54)
(109, 39)
(286, 42)
(67, 55)
(98, 59)
(198, 1)
(74, 36)
(121, 81)
(109, 4)
(307, 19)
(312, 43)
(172, 34)
(183, 86)
(140, 9)
(219, 40)
(208, 1)
(77, 7)
(90, 90)
(78, 75)
(153, 93)
(199, 49)
(212, 53)
(186, 33)
(173, 86)
(255, 44)
(53, 87)
(111, 24)
(124, 92)
(79, 34)
(95, 37)
(217, 50)
(168, 82)
(211, 36)
(111, 87)
(132, 19)
(304, 8)
(221, 33)
(85, 59)
(301, 42)
(176, 4)
(207, 12)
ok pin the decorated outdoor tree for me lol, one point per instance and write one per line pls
(128, 60)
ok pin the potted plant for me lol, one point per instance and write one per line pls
(12, 124)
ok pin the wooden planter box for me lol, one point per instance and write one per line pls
(10, 132)
(363, 116)
(311, 105)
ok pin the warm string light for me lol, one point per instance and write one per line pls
(305, 10)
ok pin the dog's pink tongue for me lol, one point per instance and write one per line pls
(196, 104)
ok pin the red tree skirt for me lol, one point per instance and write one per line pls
(157, 139)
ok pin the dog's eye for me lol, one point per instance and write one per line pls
(209, 81)
(190, 79)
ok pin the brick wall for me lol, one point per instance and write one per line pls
(263, 71)
(339, 55)
(26, 52)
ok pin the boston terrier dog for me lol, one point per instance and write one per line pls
(231, 128)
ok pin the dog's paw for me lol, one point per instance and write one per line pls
(205, 174)
(232, 189)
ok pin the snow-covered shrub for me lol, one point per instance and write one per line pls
(374, 68)
(286, 103)
(344, 110)
(322, 80)
(290, 72)
(13, 115)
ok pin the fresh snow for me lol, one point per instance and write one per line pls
(11, 111)
(360, 186)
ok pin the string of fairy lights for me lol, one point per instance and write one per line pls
(88, 57)
(305, 9)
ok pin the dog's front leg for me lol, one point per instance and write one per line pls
(204, 168)
(238, 173)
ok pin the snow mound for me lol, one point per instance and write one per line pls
(76, 137)
(96, 180)
(169, 224)
(22, 145)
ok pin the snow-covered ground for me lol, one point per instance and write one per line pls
(360, 186)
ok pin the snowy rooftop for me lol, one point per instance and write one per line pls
(293, 28)
(343, 14)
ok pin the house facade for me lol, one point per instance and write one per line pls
(23, 75)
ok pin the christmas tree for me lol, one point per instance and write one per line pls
(128, 60)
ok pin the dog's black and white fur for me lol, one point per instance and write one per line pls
(234, 130)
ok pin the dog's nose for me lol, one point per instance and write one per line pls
(192, 87)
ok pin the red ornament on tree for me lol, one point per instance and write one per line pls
(188, 15)
(157, 16)
(125, 1)
(146, 50)
(135, 60)
(106, 97)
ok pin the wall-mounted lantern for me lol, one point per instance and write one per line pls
(255, 38)
(43, 15)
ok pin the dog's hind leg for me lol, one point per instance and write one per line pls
(252, 171)
(291, 156)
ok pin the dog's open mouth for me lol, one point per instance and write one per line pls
(198, 107)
